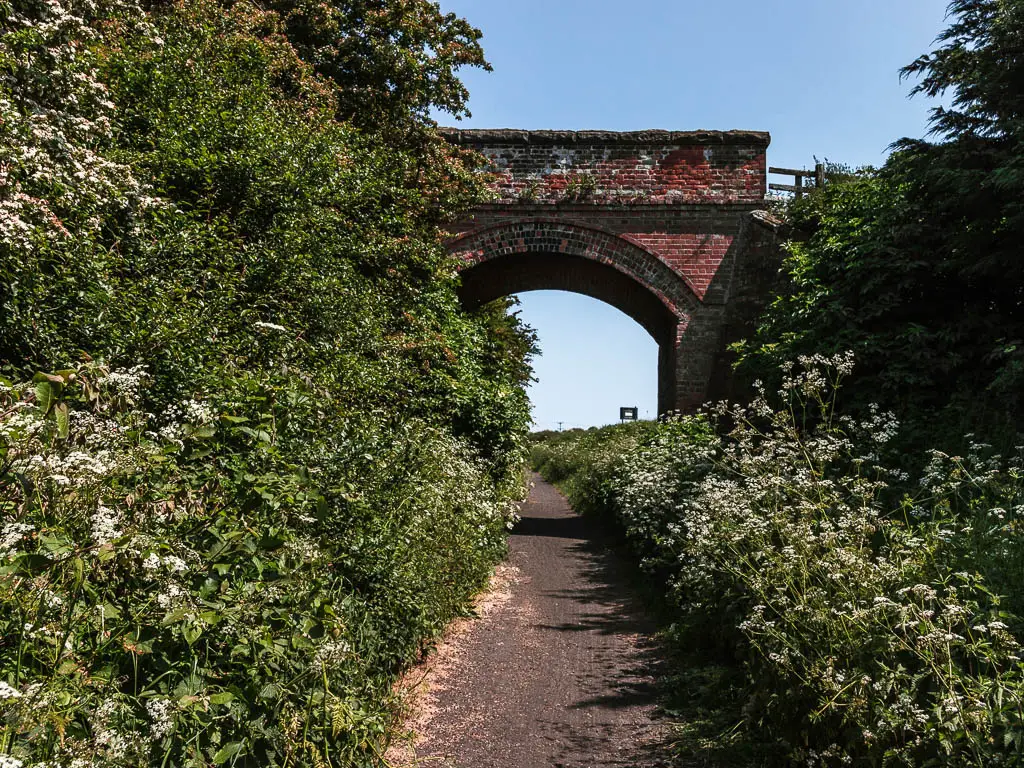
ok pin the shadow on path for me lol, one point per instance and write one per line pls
(564, 675)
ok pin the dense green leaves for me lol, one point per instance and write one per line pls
(289, 456)
(393, 61)
(917, 267)
(980, 61)
(828, 609)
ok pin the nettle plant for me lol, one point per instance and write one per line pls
(870, 631)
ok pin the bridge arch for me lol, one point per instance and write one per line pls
(554, 254)
(660, 224)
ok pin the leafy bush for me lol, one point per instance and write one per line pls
(273, 457)
(863, 612)
(176, 592)
(576, 460)
(916, 266)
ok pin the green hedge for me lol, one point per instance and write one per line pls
(268, 457)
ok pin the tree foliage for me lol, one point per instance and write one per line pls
(917, 266)
(393, 62)
(981, 59)
(253, 454)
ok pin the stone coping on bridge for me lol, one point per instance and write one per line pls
(651, 136)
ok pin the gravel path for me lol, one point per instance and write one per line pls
(562, 673)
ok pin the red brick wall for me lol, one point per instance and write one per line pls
(692, 240)
(648, 167)
(668, 209)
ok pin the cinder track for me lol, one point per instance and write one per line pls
(563, 674)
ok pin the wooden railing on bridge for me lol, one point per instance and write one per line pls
(798, 188)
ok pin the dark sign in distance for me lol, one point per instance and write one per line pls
(628, 414)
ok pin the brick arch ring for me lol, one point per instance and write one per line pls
(538, 254)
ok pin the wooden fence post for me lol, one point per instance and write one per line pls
(799, 174)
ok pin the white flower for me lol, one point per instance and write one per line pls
(127, 384)
(173, 563)
(196, 413)
(105, 525)
(104, 734)
(332, 651)
(172, 595)
(8, 692)
(172, 434)
(160, 712)
(11, 535)
(270, 326)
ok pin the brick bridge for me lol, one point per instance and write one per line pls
(663, 225)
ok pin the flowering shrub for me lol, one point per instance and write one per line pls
(864, 613)
(297, 461)
(59, 187)
(157, 611)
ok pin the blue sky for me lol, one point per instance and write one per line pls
(822, 76)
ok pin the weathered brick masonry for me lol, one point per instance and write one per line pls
(657, 223)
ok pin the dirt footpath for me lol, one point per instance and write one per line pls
(558, 672)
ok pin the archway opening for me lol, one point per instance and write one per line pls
(593, 360)
(534, 271)
(518, 273)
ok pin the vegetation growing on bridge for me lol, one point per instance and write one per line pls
(267, 457)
